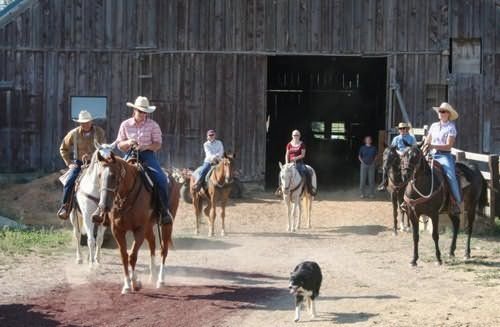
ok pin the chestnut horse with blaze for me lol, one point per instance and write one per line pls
(216, 191)
(129, 206)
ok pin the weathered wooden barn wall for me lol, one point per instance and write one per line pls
(204, 64)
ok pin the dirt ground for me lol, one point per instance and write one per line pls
(241, 279)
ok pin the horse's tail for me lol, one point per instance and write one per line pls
(483, 198)
(478, 183)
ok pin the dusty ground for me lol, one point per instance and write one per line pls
(241, 279)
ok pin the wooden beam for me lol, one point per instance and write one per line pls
(495, 185)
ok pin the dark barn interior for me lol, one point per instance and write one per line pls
(334, 102)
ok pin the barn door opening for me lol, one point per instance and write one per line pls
(334, 102)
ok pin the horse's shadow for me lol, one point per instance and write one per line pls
(343, 317)
(191, 243)
(17, 314)
(247, 278)
(281, 234)
(360, 230)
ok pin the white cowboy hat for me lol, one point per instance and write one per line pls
(404, 125)
(84, 117)
(142, 104)
(447, 107)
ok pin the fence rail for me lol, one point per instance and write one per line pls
(492, 176)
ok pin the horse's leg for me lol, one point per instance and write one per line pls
(132, 258)
(100, 239)
(211, 217)
(394, 200)
(289, 213)
(150, 238)
(77, 233)
(119, 236)
(197, 204)
(91, 243)
(455, 221)
(166, 232)
(295, 207)
(309, 200)
(470, 210)
(223, 216)
(435, 236)
(414, 222)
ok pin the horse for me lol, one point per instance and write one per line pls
(395, 186)
(427, 193)
(217, 190)
(289, 175)
(129, 206)
(86, 201)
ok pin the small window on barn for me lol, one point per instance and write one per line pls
(318, 129)
(466, 56)
(97, 106)
(338, 131)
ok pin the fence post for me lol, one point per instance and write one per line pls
(460, 155)
(494, 174)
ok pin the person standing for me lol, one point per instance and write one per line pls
(214, 151)
(367, 155)
(439, 141)
(144, 134)
(77, 147)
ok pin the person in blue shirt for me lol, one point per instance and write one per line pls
(401, 142)
(404, 139)
(367, 155)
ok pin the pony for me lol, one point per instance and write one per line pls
(391, 168)
(296, 195)
(216, 191)
(129, 206)
(427, 194)
(86, 201)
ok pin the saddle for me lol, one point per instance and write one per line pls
(196, 174)
(461, 179)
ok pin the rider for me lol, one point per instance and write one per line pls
(440, 140)
(144, 134)
(214, 150)
(80, 143)
(296, 152)
(401, 142)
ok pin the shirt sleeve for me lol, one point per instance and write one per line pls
(220, 153)
(452, 131)
(122, 136)
(156, 133)
(394, 141)
(65, 147)
(413, 139)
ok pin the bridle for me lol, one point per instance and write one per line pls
(286, 188)
(227, 175)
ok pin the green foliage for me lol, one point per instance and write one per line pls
(25, 241)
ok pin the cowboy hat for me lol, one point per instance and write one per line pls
(447, 107)
(142, 104)
(403, 125)
(84, 117)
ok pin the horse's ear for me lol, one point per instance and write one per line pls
(99, 156)
(96, 144)
(280, 164)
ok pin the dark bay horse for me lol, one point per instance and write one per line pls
(427, 194)
(215, 192)
(129, 206)
(395, 185)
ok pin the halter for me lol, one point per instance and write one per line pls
(226, 181)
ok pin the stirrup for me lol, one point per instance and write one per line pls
(166, 218)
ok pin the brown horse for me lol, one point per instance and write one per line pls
(216, 191)
(427, 194)
(129, 206)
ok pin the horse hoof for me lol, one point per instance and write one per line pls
(160, 284)
(467, 257)
(137, 286)
(438, 263)
(79, 261)
(222, 233)
(413, 264)
(125, 290)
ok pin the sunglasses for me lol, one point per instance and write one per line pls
(402, 128)
(211, 134)
(442, 111)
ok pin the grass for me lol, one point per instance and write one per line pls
(29, 241)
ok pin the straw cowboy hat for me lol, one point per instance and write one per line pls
(84, 117)
(404, 125)
(447, 107)
(142, 104)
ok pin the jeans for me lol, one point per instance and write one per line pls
(159, 178)
(301, 167)
(448, 163)
(70, 183)
(367, 173)
(205, 168)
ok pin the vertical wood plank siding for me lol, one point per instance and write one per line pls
(204, 64)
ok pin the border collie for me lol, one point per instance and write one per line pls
(305, 282)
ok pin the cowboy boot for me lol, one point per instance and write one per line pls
(166, 218)
(454, 208)
(63, 212)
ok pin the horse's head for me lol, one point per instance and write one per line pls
(287, 173)
(391, 158)
(226, 164)
(110, 172)
(411, 161)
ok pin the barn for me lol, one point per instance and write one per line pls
(252, 69)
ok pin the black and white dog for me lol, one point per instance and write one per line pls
(305, 282)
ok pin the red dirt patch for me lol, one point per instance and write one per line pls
(101, 304)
